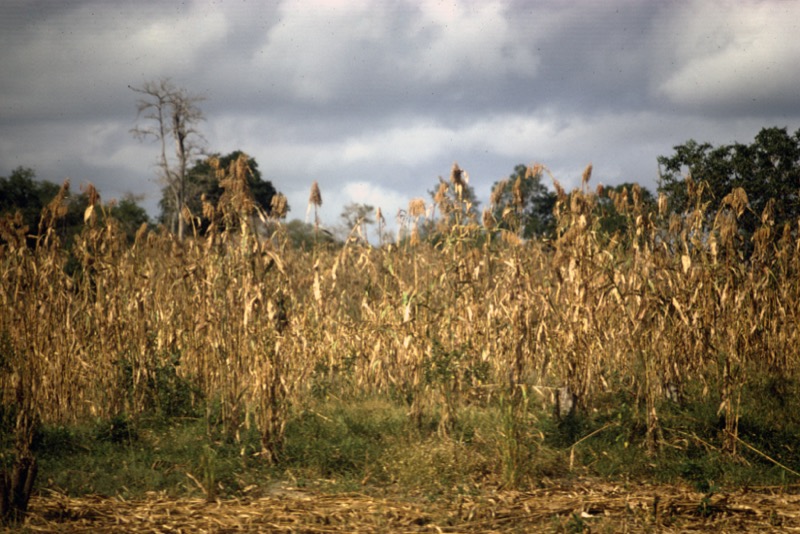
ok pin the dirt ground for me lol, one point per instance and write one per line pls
(579, 506)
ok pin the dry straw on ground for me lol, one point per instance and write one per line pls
(585, 505)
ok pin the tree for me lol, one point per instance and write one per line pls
(21, 192)
(611, 220)
(201, 180)
(456, 203)
(305, 236)
(522, 203)
(768, 169)
(130, 215)
(171, 115)
(355, 215)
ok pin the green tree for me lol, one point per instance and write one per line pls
(20, 191)
(201, 180)
(130, 215)
(767, 169)
(522, 203)
(305, 236)
(611, 220)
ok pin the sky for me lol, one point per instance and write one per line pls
(377, 99)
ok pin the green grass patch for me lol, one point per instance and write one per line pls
(345, 441)
(369, 444)
(128, 458)
(609, 440)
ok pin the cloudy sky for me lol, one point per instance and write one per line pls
(376, 99)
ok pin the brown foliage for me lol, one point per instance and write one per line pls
(257, 324)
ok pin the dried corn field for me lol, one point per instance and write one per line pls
(259, 327)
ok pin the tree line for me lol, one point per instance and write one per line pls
(766, 170)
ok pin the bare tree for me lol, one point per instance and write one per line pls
(170, 114)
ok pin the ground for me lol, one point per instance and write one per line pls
(584, 505)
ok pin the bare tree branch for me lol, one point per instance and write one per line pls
(168, 113)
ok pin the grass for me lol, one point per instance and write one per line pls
(162, 457)
(339, 441)
(368, 445)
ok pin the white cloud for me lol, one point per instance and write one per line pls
(313, 48)
(372, 194)
(175, 42)
(469, 39)
(320, 51)
(417, 141)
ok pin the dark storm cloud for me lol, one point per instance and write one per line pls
(375, 100)
(597, 60)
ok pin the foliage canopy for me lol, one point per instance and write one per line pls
(522, 203)
(201, 180)
(767, 170)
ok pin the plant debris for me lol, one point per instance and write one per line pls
(578, 506)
